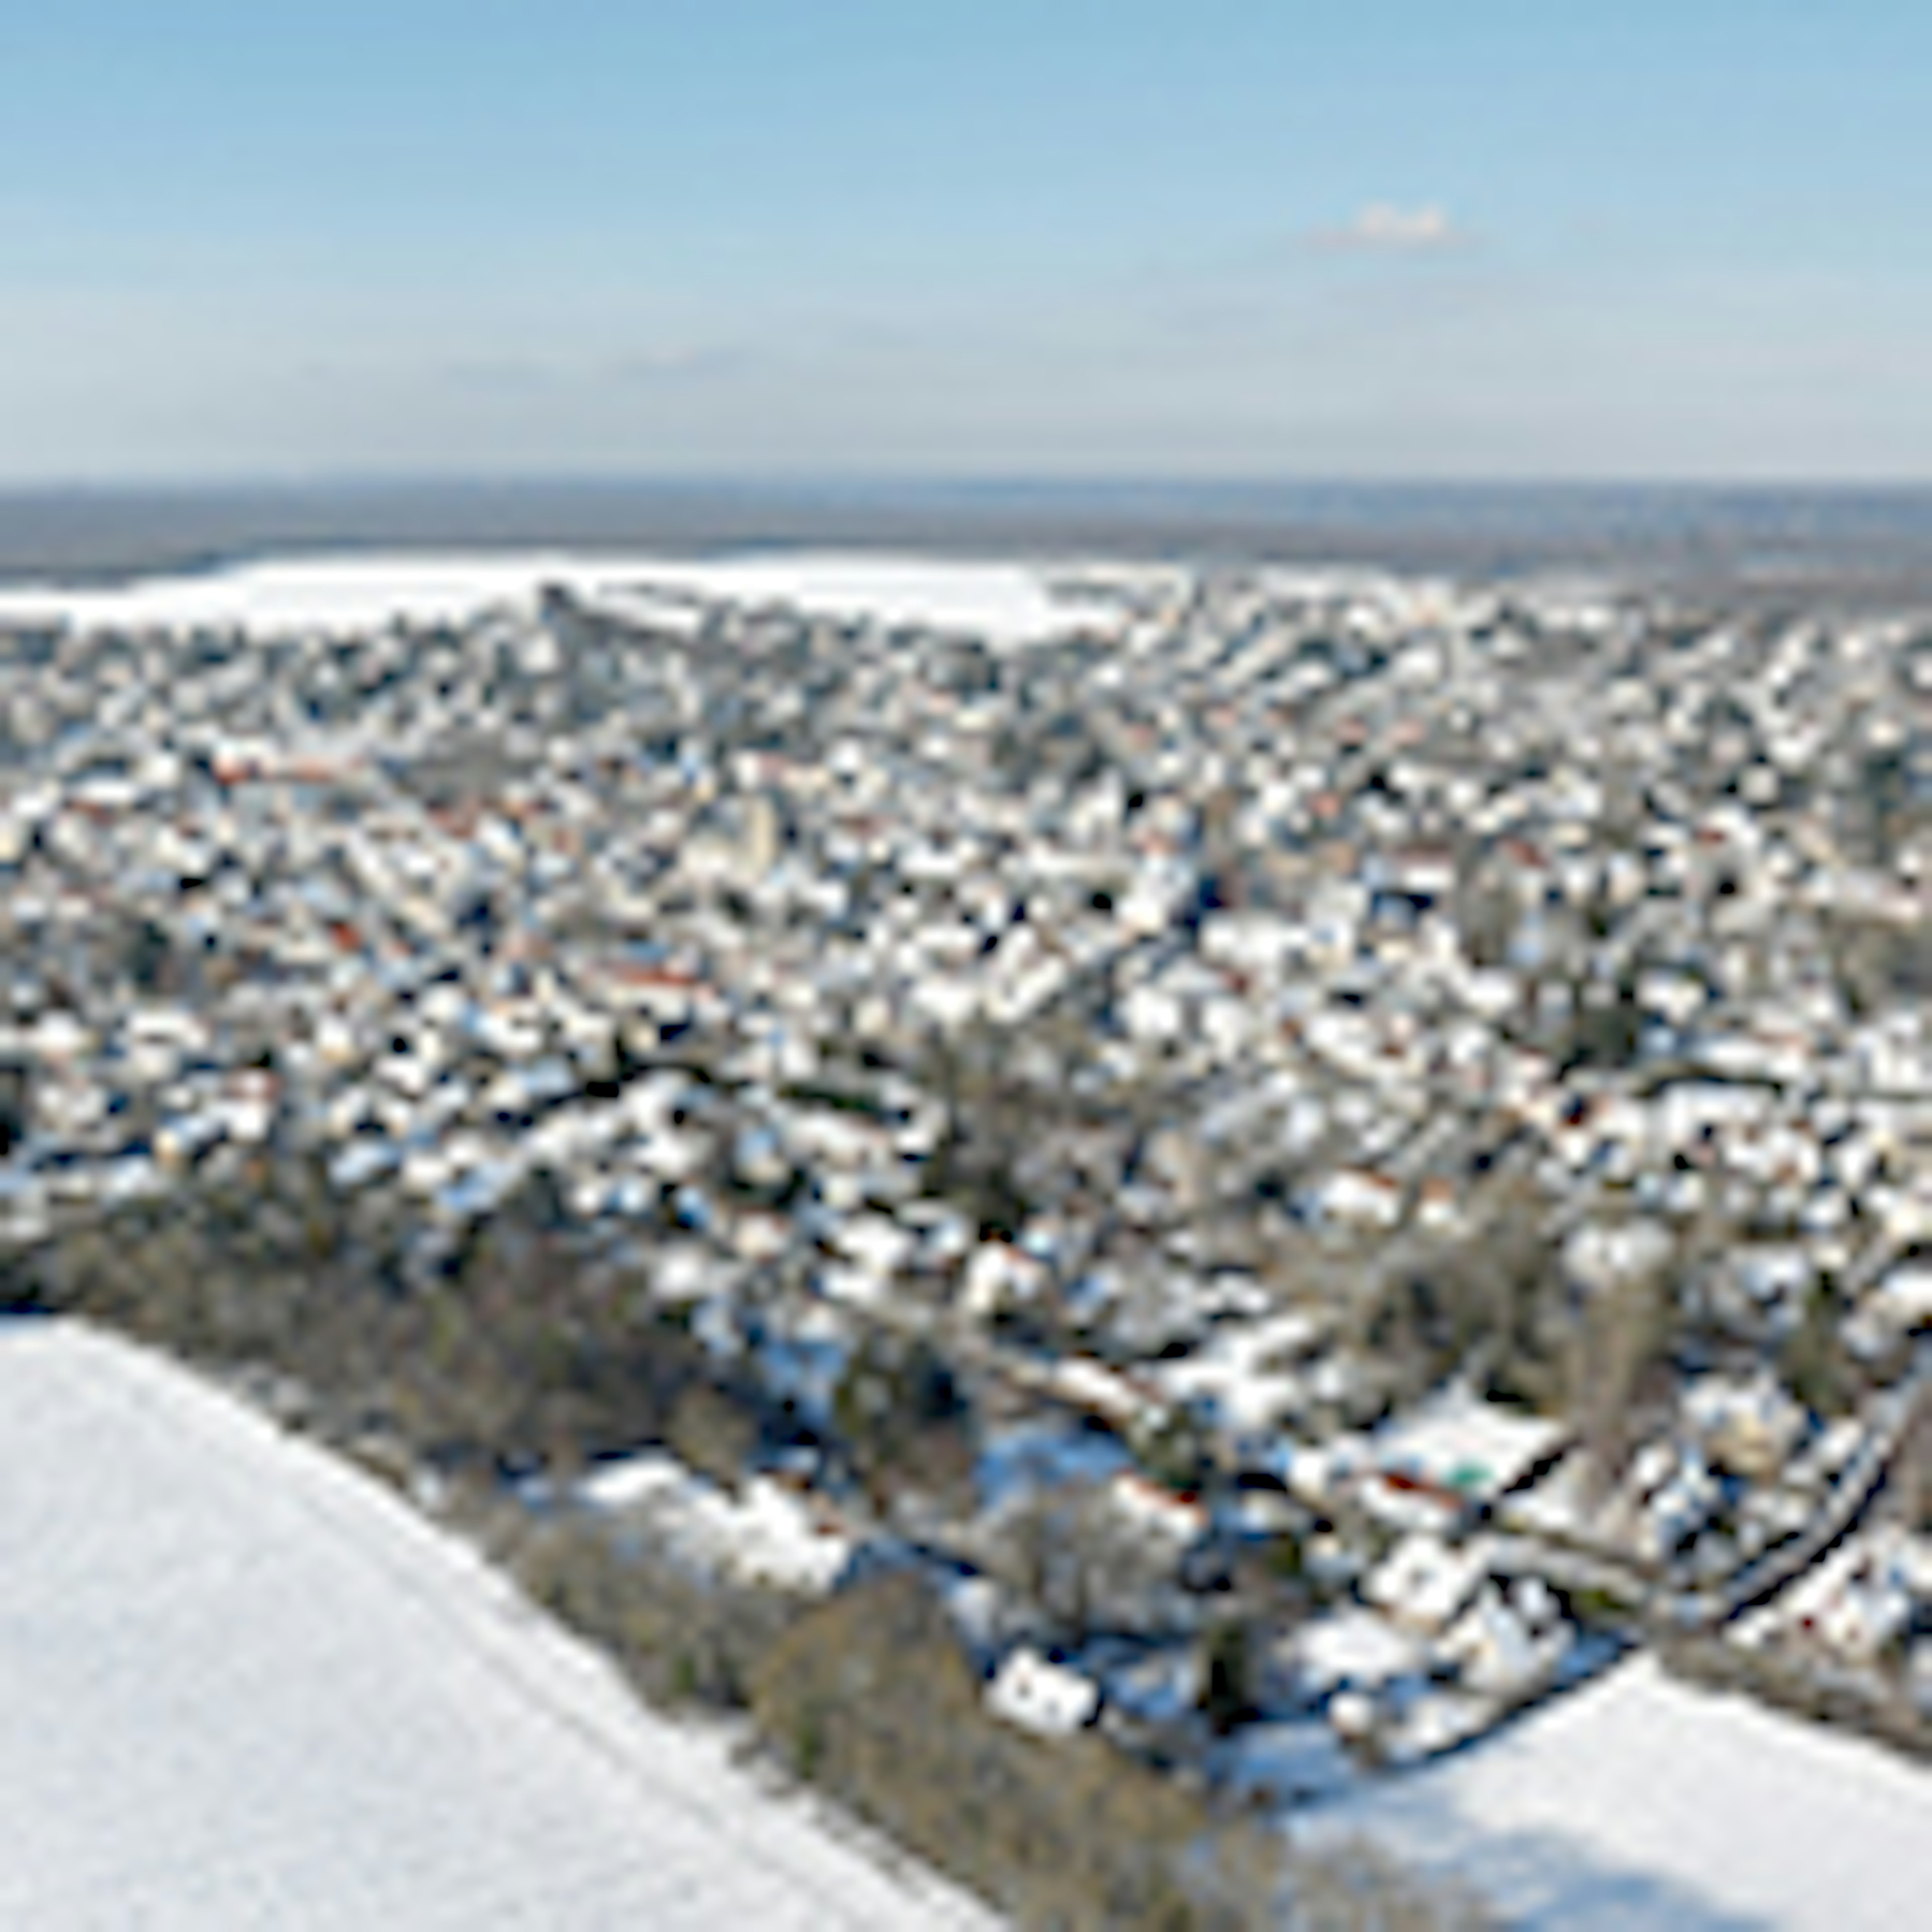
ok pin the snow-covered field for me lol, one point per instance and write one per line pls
(1007, 603)
(1641, 1801)
(241, 1686)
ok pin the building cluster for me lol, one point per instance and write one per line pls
(1405, 1109)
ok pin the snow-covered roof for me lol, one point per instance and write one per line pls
(1462, 1445)
(1904, 1297)
(1423, 1581)
(1037, 1695)
(1355, 1646)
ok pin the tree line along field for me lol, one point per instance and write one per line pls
(533, 1352)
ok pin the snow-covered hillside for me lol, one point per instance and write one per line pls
(245, 1687)
(1641, 1801)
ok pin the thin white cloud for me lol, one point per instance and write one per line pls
(663, 362)
(656, 363)
(1383, 227)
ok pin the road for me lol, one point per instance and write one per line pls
(1888, 1418)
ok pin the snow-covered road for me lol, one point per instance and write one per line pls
(242, 1686)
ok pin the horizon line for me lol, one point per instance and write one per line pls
(834, 481)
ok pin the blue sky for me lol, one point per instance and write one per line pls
(1072, 237)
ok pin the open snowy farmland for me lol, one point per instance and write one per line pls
(1004, 603)
(1641, 1800)
(244, 1687)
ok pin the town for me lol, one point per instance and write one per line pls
(1324, 1153)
